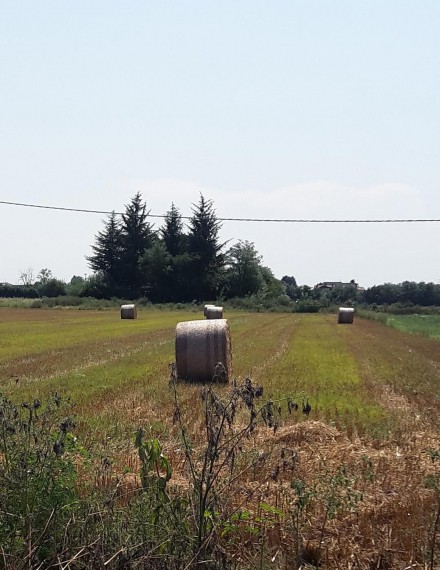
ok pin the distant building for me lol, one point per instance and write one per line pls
(338, 284)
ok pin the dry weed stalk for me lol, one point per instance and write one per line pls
(307, 493)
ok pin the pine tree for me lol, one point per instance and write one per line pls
(172, 231)
(205, 249)
(106, 258)
(137, 237)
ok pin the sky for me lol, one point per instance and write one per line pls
(311, 109)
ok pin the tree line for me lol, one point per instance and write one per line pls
(407, 293)
(185, 261)
(176, 262)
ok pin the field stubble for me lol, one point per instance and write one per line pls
(359, 462)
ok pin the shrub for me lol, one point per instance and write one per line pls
(37, 477)
(51, 288)
(307, 306)
(283, 300)
(13, 291)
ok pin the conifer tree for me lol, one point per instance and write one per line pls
(137, 237)
(205, 249)
(172, 231)
(107, 251)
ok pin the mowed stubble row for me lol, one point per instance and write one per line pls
(355, 377)
(356, 479)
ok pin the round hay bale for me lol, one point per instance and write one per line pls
(214, 312)
(345, 315)
(128, 312)
(200, 346)
(206, 307)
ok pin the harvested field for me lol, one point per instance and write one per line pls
(354, 483)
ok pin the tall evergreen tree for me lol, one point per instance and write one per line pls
(137, 237)
(179, 278)
(172, 232)
(205, 249)
(107, 251)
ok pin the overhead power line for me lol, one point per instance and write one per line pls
(274, 220)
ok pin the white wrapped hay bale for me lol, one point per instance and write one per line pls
(214, 312)
(200, 346)
(206, 307)
(128, 312)
(345, 315)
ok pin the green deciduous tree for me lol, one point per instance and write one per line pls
(75, 287)
(156, 266)
(272, 287)
(243, 273)
(182, 278)
(291, 287)
(96, 286)
(380, 294)
(48, 286)
(44, 275)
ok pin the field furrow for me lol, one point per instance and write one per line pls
(394, 362)
(362, 378)
(361, 459)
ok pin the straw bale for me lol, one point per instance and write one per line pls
(206, 307)
(214, 312)
(345, 315)
(200, 346)
(128, 312)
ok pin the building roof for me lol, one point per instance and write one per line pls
(334, 284)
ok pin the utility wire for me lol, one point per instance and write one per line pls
(275, 220)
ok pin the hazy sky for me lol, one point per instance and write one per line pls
(275, 109)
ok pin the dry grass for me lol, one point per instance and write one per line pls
(362, 453)
(382, 508)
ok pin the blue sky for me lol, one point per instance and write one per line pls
(298, 109)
